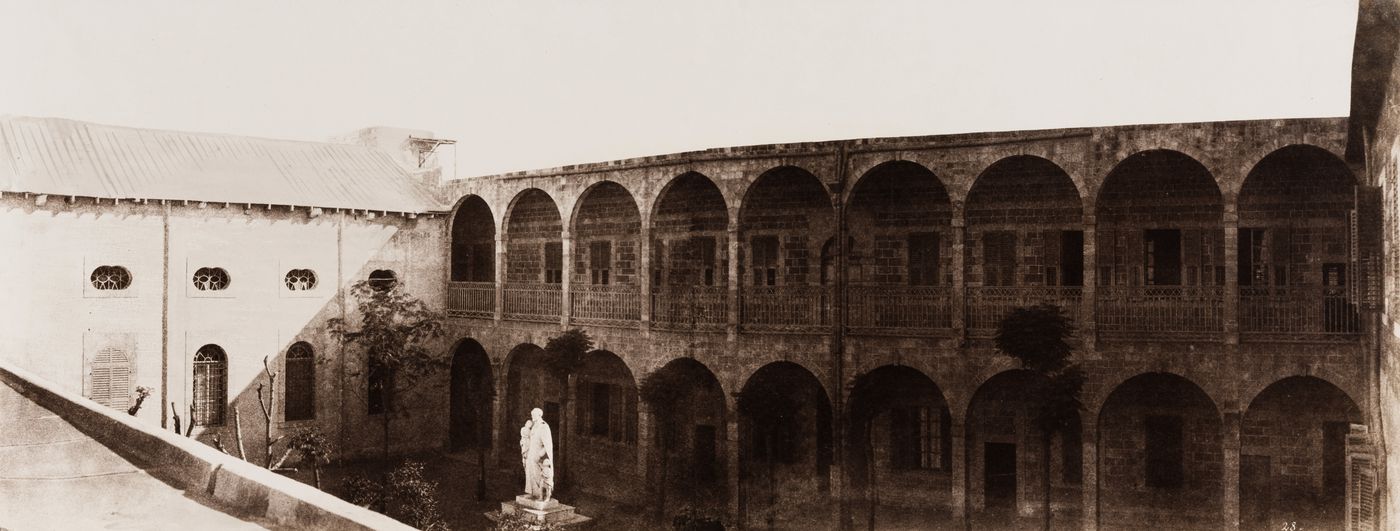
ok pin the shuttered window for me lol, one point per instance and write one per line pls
(210, 385)
(109, 378)
(300, 382)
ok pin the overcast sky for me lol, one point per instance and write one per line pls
(534, 84)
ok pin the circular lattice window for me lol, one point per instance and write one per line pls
(210, 279)
(110, 277)
(383, 279)
(300, 279)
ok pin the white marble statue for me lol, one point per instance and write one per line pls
(537, 456)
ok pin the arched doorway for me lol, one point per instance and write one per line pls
(688, 432)
(471, 393)
(785, 446)
(1160, 455)
(605, 428)
(529, 385)
(900, 450)
(1293, 455)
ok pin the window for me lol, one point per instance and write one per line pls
(1252, 269)
(912, 439)
(211, 279)
(379, 380)
(300, 280)
(600, 262)
(300, 383)
(1072, 258)
(923, 259)
(553, 263)
(609, 412)
(765, 260)
(109, 277)
(706, 248)
(210, 385)
(658, 263)
(1162, 257)
(1164, 452)
(383, 279)
(602, 406)
(109, 378)
(999, 258)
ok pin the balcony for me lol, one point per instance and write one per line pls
(471, 299)
(532, 302)
(1298, 313)
(608, 305)
(1160, 311)
(689, 308)
(786, 308)
(900, 309)
(987, 305)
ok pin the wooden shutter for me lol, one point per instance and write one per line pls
(109, 378)
(1361, 481)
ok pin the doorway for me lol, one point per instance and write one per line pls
(999, 474)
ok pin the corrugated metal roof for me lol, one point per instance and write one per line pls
(67, 157)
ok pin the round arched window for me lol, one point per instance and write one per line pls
(210, 279)
(110, 277)
(383, 279)
(300, 279)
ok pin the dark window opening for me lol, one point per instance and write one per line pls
(999, 258)
(1072, 258)
(912, 445)
(1165, 452)
(300, 383)
(706, 247)
(1253, 271)
(210, 386)
(601, 408)
(1334, 458)
(600, 262)
(923, 259)
(383, 279)
(706, 457)
(1162, 257)
(765, 260)
(553, 263)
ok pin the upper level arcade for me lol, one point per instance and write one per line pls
(1228, 231)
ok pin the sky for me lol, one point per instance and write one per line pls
(532, 84)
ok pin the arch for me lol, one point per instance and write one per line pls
(1043, 191)
(299, 382)
(1293, 454)
(533, 227)
(690, 423)
(785, 440)
(905, 208)
(473, 241)
(601, 199)
(782, 188)
(1007, 456)
(900, 438)
(689, 241)
(606, 223)
(693, 198)
(1149, 185)
(210, 386)
(531, 205)
(1160, 454)
(471, 394)
(530, 384)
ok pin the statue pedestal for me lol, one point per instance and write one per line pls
(551, 511)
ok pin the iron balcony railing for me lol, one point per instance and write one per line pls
(532, 302)
(612, 304)
(785, 308)
(689, 307)
(1298, 313)
(987, 305)
(471, 299)
(894, 308)
(1160, 310)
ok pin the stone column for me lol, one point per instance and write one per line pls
(731, 453)
(644, 442)
(569, 426)
(959, 310)
(500, 275)
(1089, 484)
(498, 416)
(644, 274)
(566, 304)
(1231, 309)
(958, 469)
(1230, 498)
(733, 296)
(1088, 314)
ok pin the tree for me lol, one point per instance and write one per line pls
(662, 391)
(394, 329)
(564, 356)
(404, 495)
(1037, 337)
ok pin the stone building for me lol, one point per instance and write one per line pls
(828, 308)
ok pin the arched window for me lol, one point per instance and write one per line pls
(110, 277)
(300, 280)
(210, 279)
(210, 385)
(300, 383)
(383, 279)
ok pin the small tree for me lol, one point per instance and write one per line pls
(1038, 337)
(662, 391)
(393, 331)
(564, 356)
(404, 495)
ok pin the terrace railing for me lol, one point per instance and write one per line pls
(613, 304)
(471, 299)
(689, 307)
(987, 305)
(532, 302)
(1160, 311)
(893, 309)
(786, 308)
(1298, 313)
